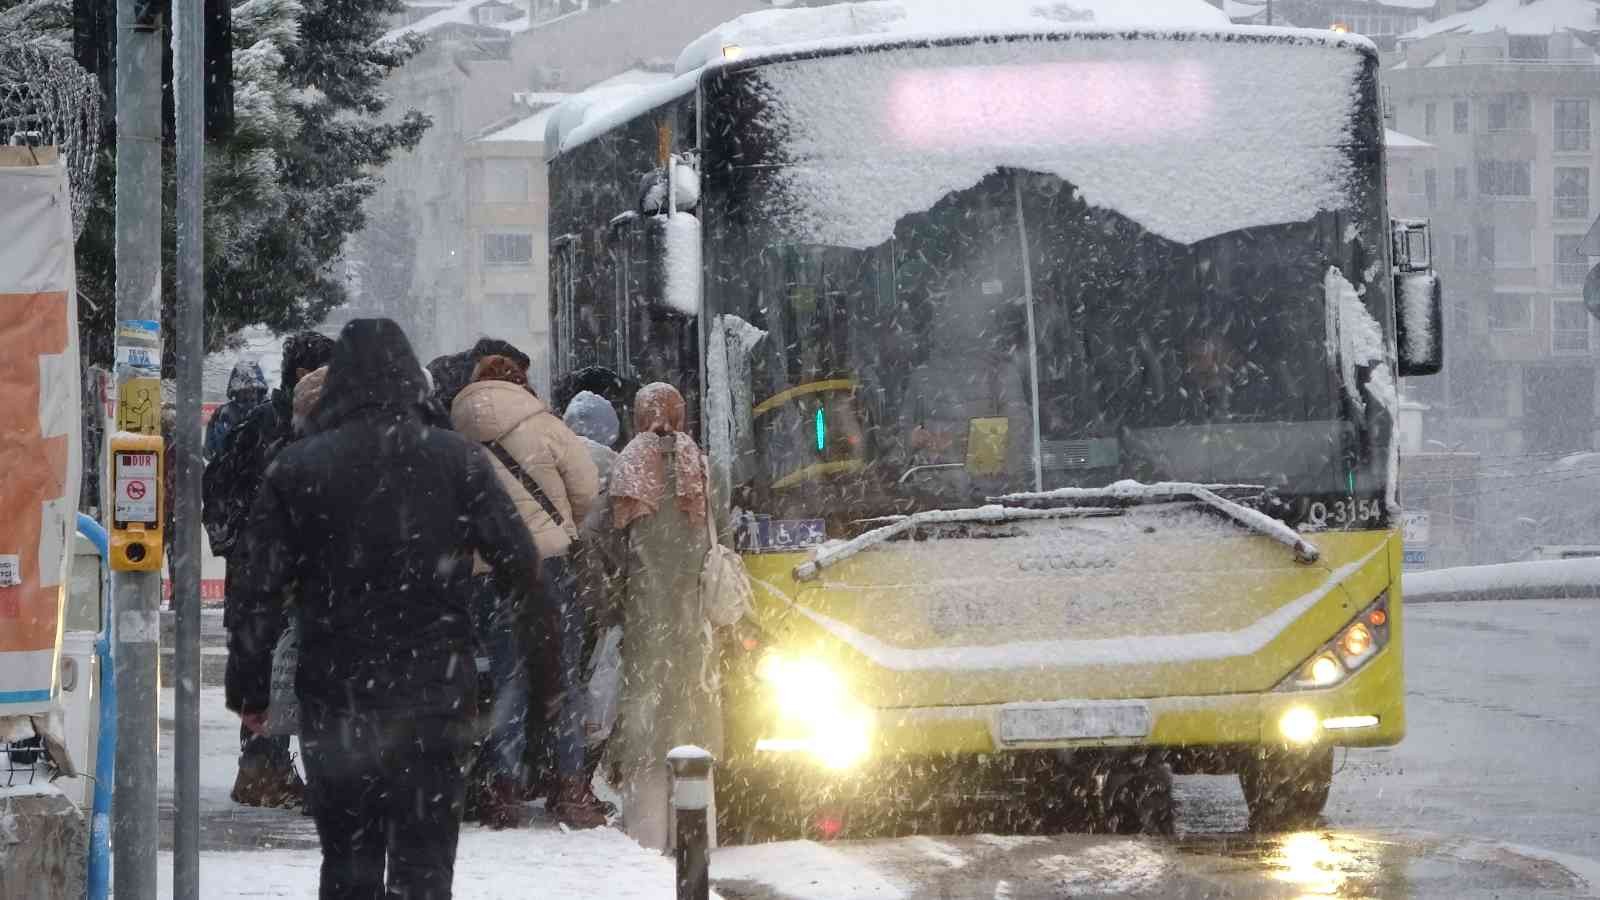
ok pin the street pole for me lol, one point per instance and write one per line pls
(135, 825)
(188, 65)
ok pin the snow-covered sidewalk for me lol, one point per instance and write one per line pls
(272, 853)
(1550, 579)
(542, 861)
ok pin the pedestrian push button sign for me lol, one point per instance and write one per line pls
(136, 504)
(136, 487)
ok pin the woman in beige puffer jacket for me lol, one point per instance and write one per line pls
(545, 448)
(497, 409)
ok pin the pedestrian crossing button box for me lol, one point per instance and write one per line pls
(136, 506)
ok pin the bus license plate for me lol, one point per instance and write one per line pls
(1026, 723)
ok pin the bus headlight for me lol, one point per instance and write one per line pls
(814, 712)
(1299, 725)
(1355, 646)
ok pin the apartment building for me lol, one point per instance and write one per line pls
(508, 202)
(454, 247)
(1506, 96)
(1381, 20)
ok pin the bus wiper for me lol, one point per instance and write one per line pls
(993, 513)
(1138, 492)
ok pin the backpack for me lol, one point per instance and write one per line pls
(228, 487)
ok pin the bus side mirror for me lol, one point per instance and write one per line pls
(1419, 301)
(675, 262)
(1413, 245)
(678, 180)
(1419, 323)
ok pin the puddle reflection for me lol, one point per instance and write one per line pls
(1325, 865)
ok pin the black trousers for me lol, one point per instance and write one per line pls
(255, 750)
(387, 794)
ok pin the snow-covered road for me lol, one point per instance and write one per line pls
(1495, 792)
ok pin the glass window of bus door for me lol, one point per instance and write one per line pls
(622, 248)
(565, 291)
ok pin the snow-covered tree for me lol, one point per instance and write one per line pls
(285, 189)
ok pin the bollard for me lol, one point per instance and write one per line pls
(691, 802)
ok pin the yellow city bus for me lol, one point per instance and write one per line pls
(1049, 380)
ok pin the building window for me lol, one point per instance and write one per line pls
(1569, 326)
(1510, 112)
(1461, 250)
(1572, 193)
(507, 249)
(1413, 180)
(1572, 125)
(1510, 312)
(1460, 116)
(505, 181)
(1486, 245)
(1529, 46)
(1430, 187)
(1505, 178)
(1430, 118)
(1513, 248)
(1481, 392)
(1571, 265)
(1461, 183)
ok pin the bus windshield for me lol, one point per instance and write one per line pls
(1026, 332)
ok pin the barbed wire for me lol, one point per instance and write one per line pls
(47, 98)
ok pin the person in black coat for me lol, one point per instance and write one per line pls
(266, 775)
(374, 520)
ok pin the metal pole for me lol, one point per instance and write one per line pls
(135, 822)
(188, 64)
(691, 801)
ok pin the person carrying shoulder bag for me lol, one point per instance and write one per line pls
(550, 475)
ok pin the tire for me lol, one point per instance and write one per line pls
(1141, 802)
(1286, 789)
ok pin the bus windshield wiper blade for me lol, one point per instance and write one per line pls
(1136, 491)
(994, 513)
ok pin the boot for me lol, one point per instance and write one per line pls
(576, 806)
(500, 804)
(266, 785)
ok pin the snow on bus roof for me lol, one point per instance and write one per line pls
(843, 26)
(596, 98)
(870, 22)
(846, 26)
(602, 108)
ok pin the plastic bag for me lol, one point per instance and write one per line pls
(283, 711)
(604, 688)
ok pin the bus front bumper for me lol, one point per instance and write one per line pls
(1366, 710)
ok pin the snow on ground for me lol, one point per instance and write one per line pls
(542, 862)
(805, 870)
(1507, 581)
